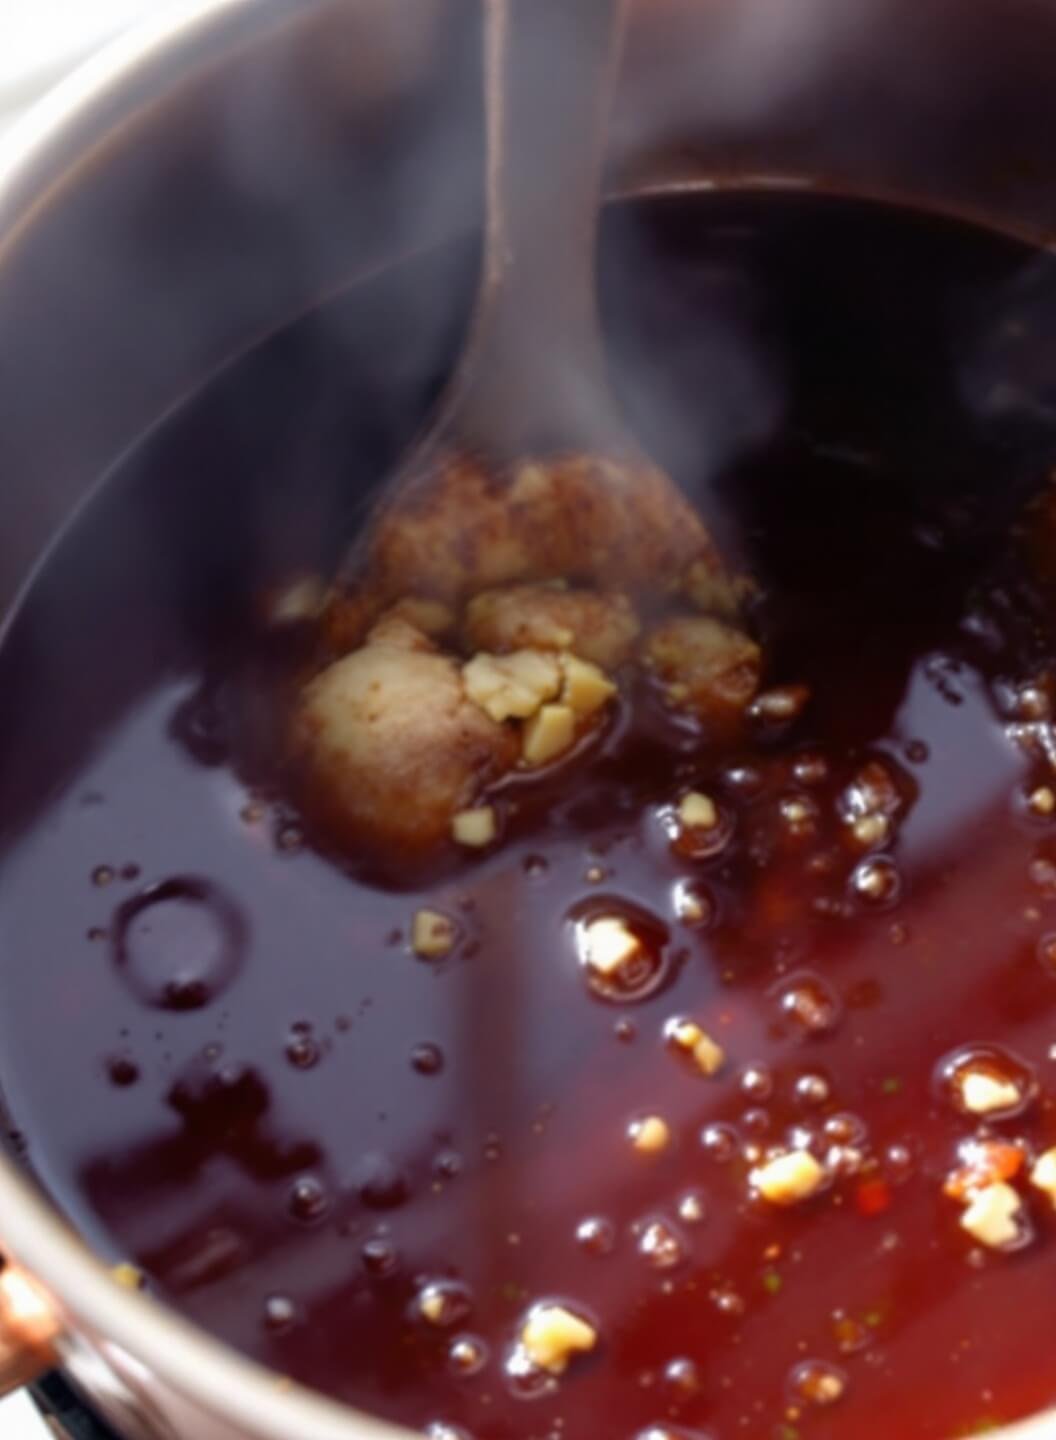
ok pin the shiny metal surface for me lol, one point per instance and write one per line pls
(699, 96)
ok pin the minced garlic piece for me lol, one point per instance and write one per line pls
(475, 828)
(983, 1093)
(431, 1304)
(707, 1054)
(1042, 801)
(994, 1216)
(512, 687)
(552, 1335)
(698, 812)
(788, 1178)
(587, 688)
(302, 599)
(608, 945)
(650, 1135)
(128, 1276)
(549, 734)
(1043, 1175)
(432, 934)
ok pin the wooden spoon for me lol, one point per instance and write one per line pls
(528, 471)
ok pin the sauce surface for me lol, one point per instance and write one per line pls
(224, 1059)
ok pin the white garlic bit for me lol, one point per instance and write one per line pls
(995, 1217)
(698, 812)
(549, 734)
(433, 934)
(608, 944)
(983, 1093)
(789, 1178)
(650, 1135)
(512, 686)
(708, 1056)
(1043, 1174)
(552, 1334)
(475, 828)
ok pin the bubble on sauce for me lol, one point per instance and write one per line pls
(812, 1089)
(179, 944)
(799, 814)
(309, 1200)
(743, 780)
(816, 1383)
(670, 1432)
(986, 1080)
(280, 1314)
(692, 1207)
(447, 1164)
(122, 1071)
(809, 1003)
(682, 1378)
(596, 1235)
(381, 1183)
(719, 1142)
(850, 1334)
(756, 1082)
(444, 1303)
(536, 867)
(301, 1048)
(289, 837)
(1042, 875)
(876, 882)
(643, 965)
(845, 1128)
(661, 1243)
(427, 1059)
(1047, 953)
(810, 768)
(467, 1356)
(379, 1256)
(693, 903)
(440, 1430)
(201, 723)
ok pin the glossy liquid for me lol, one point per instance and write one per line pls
(296, 1127)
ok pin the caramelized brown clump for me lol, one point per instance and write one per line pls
(391, 746)
(599, 626)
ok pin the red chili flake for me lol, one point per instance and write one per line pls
(872, 1197)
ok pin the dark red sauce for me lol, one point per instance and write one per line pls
(294, 1125)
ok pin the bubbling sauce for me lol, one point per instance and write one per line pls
(788, 1174)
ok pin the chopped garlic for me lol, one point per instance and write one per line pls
(586, 688)
(650, 1135)
(475, 828)
(871, 830)
(549, 734)
(431, 1304)
(512, 687)
(432, 934)
(128, 1276)
(788, 1178)
(994, 1217)
(698, 812)
(707, 1054)
(551, 1335)
(983, 1093)
(1043, 1175)
(1042, 801)
(300, 600)
(608, 945)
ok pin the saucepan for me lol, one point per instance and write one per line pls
(222, 168)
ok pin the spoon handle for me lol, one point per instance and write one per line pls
(536, 369)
